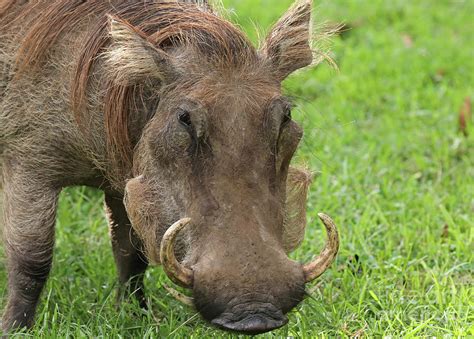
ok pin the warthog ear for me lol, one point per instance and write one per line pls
(131, 57)
(294, 225)
(288, 45)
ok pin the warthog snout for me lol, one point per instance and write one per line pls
(233, 307)
(250, 292)
(253, 324)
(252, 317)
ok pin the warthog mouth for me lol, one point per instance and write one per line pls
(252, 317)
(255, 322)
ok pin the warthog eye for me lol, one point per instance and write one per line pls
(184, 118)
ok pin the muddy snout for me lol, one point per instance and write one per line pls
(252, 317)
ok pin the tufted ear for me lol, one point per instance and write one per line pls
(294, 225)
(287, 46)
(131, 57)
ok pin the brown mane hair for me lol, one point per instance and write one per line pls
(164, 23)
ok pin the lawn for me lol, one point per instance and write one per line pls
(382, 136)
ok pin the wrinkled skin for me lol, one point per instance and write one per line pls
(212, 139)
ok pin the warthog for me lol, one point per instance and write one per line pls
(170, 110)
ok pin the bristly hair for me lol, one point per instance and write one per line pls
(294, 225)
(164, 23)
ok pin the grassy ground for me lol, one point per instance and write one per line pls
(393, 171)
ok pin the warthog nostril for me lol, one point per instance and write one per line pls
(254, 322)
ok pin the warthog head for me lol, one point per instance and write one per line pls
(211, 168)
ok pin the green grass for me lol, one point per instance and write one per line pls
(393, 171)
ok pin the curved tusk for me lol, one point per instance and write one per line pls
(317, 267)
(188, 301)
(178, 273)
